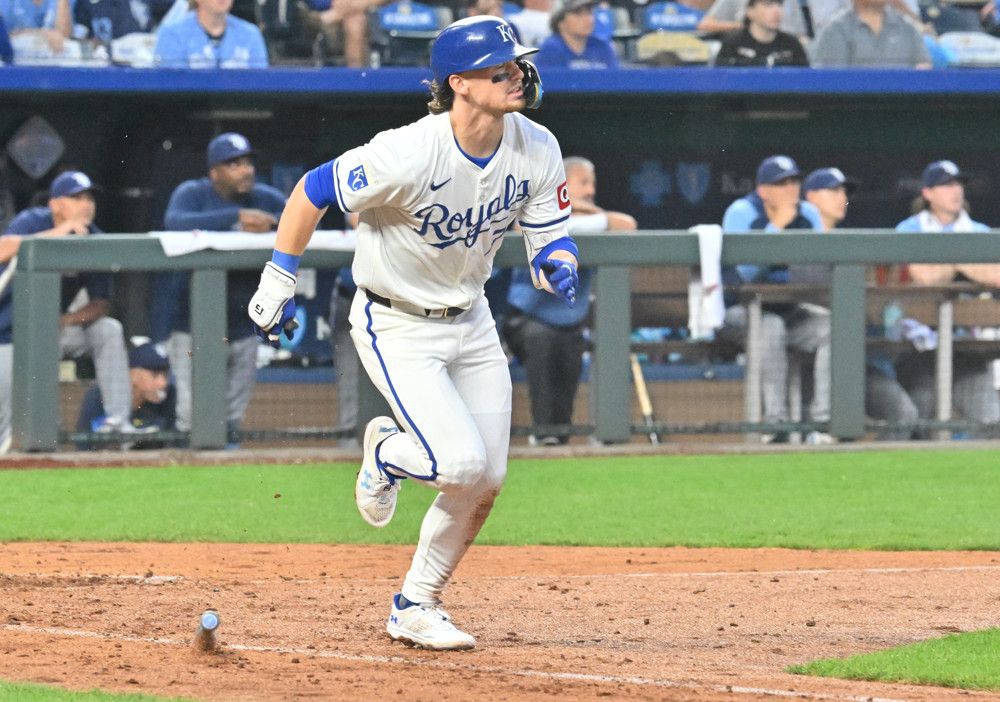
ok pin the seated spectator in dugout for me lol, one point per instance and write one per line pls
(210, 37)
(228, 199)
(871, 34)
(549, 339)
(51, 19)
(941, 209)
(828, 190)
(573, 43)
(154, 400)
(85, 327)
(760, 42)
(775, 205)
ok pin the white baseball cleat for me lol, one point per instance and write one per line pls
(375, 491)
(426, 626)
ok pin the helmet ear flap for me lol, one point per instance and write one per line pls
(531, 83)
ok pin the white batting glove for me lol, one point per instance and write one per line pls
(272, 308)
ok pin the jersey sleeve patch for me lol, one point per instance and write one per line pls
(357, 179)
(563, 193)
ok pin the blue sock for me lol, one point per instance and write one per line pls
(402, 602)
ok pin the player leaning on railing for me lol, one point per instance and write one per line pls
(435, 198)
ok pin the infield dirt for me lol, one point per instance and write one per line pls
(307, 622)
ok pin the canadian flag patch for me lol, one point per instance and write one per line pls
(563, 196)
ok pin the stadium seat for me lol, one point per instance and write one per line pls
(670, 17)
(673, 48)
(614, 24)
(402, 32)
(972, 48)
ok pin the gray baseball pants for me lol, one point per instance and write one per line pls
(241, 365)
(805, 329)
(104, 341)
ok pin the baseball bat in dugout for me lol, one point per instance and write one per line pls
(644, 403)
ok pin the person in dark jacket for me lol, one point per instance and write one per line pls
(229, 199)
(760, 42)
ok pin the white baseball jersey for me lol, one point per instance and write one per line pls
(431, 221)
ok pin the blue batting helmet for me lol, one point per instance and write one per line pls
(474, 42)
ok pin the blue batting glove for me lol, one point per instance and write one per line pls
(562, 277)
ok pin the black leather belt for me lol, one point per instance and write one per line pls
(413, 309)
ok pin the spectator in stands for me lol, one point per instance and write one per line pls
(210, 37)
(942, 209)
(104, 20)
(85, 327)
(533, 22)
(760, 42)
(475, 8)
(573, 43)
(828, 190)
(154, 400)
(775, 206)
(228, 200)
(6, 50)
(727, 16)
(871, 34)
(822, 11)
(49, 19)
(548, 338)
(344, 24)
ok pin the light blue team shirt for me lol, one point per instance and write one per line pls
(185, 44)
(747, 214)
(24, 14)
(912, 224)
(598, 53)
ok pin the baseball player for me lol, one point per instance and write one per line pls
(435, 198)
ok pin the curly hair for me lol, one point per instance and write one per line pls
(442, 97)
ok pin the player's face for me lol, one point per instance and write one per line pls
(233, 178)
(581, 184)
(79, 208)
(784, 193)
(150, 385)
(496, 89)
(831, 203)
(947, 199)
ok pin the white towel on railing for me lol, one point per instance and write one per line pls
(178, 243)
(706, 309)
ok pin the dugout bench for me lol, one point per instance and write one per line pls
(42, 260)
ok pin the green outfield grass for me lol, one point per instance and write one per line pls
(894, 500)
(868, 500)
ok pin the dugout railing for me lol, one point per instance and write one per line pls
(42, 261)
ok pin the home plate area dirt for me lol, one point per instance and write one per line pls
(308, 622)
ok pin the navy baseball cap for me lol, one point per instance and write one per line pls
(226, 147)
(70, 183)
(942, 172)
(149, 356)
(828, 179)
(774, 169)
